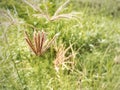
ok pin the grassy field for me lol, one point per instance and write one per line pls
(59, 45)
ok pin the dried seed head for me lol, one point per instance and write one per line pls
(39, 44)
(61, 59)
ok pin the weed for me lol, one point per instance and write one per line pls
(39, 44)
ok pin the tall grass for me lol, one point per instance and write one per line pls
(85, 51)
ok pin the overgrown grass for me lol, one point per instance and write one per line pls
(94, 33)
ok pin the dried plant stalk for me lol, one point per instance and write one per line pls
(61, 7)
(39, 45)
(61, 59)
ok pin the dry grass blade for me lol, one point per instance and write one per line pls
(35, 41)
(38, 9)
(60, 16)
(30, 43)
(9, 18)
(67, 16)
(39, 41)
(42, 40)
(50, 42)
(35, 7)
(61, 7)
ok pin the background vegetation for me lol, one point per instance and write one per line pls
(94, 31)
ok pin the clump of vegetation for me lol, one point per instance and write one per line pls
(62, 60)
(84, 56)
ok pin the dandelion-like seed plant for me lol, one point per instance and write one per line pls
(56, 15)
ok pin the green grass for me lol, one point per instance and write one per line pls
(95, 32)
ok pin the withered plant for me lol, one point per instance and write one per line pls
(63, 60)
(39, 44)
